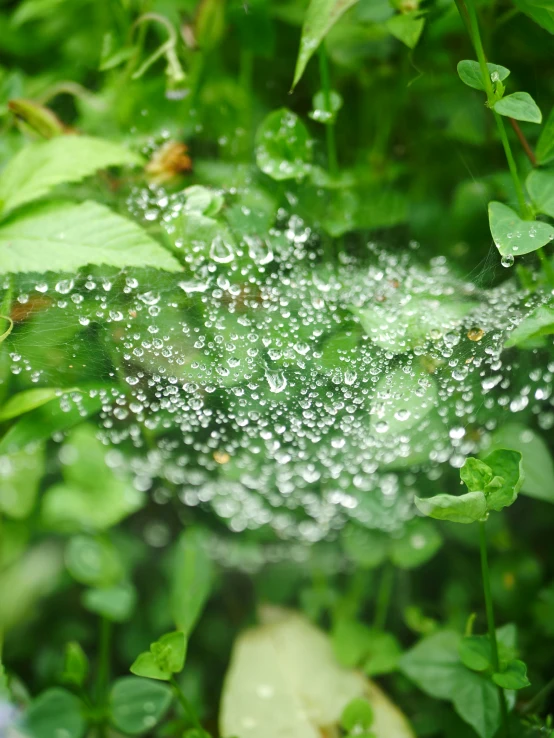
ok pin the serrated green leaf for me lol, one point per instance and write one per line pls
(465, 509)
(53, 713)
(514, 236)
(519, 105)
(406, 27)
(137, 705)
(514, 676)
(469, 72)
(540, 185)
(64, 237)
(283, 147)
(475, 474)
(42, 165)
(320, 17)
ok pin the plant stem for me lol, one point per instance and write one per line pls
(490, 622)
(330, 127)
(189, 711)
(469, 16)
(524, 142)
(383, 597)
(104, 660)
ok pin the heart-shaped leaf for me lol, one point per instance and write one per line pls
(514, 236)
(469, 72)
(519, 105)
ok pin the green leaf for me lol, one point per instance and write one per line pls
(114, 603)
(169, 652)
(137, 705)
(434, 665)
(466, 508)
(469, 72)
(92, 494)
(519, 105)
(476, 652)
(475, 474)
(191, 579)
(383, 654)
(203, 201)
(145, 666)
(351, 641)
(540, 185)
(42, 165)
(419, 542)
(506, 465)
(65, 237)
(537, 324)
(93, 561)
(514, 676)
(20, 476)
(366, 548)
(283, 146)
(538, 468)
(539, 10)
(544, 150)
(24, 402)
(406, 27)
(357, 716)
(53, 417)
(320, 17)
(514, 236)
(75, 665)
(53, 713)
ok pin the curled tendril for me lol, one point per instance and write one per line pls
(166, 49)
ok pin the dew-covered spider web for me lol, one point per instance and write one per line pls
(272, 385)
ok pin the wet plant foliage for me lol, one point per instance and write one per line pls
(276, 368)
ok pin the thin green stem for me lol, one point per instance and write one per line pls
(469, 16)
(332, 160)
(104, 660)
(187, 707)
(490, 622)
(384, 594)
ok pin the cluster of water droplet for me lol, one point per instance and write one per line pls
(279, 389)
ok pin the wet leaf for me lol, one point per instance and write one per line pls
(470, 73)
(283, 147)
(64, 237)
(535, 325)
(514, 236)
